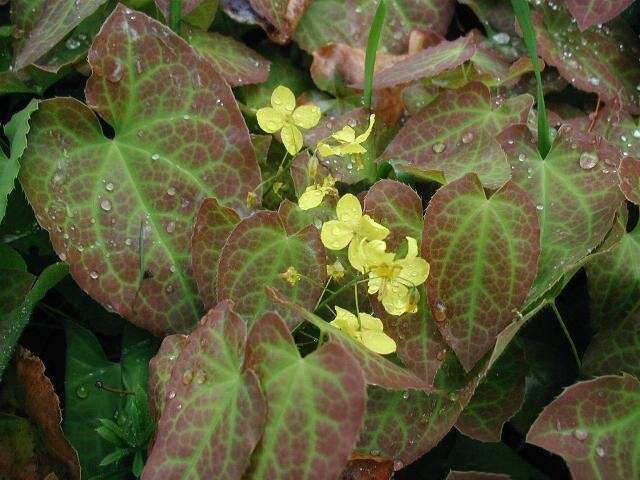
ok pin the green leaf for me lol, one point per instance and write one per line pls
(348, 21)
(233, 60)
(594, 426)
(199, 13)
(454, 135)
(576, 204)
(373, 43)
(121, 210)
(213, 400)
(592, 12)
(316, 404)
(592, 60)
(10, 259)
(483, 254)
(12, 322)
(256, 255)
(630, 179)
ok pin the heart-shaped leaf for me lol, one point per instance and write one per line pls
(593, 60)
(160, 368)
(454, 135)
(630, 179)
(121, 210)
(575, 192)
(594, 426)
(483, 254)
(213, 400)
(320, 397)
(592, 12)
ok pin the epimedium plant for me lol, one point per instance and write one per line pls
(329, 254)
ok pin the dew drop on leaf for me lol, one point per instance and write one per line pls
(115, 75)
(467, 137)
(105, 204)
(109, 186)
(155, 156)
(172, 395)
(93, 274)
(588, 160)
(440, 312)
(82, 392)
(600, 451)
(580, 434)
(501, 38)
(438, 147)
(171, 191)
(187, 376)
(398, 465)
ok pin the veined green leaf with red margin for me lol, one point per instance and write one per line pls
(614, 281)
(320, 397)
(592, 60)
(496, 399)
(591, 12)
(255, 256)
(237, 63)
(454, 135)
(629, 174)
(214, 409)
(214, 223)
(483, 254)
(427, 63)
(51, 21)
(160, 368)
(121, 210)
(594, 426)
(348, 21)
(576, 204)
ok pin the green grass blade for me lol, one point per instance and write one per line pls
(175, 11)
(521, 9)
(372, 47)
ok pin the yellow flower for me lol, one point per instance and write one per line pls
(291, 276)
(336, 270)
(314, 194)
(394, 280)
(350, 227)
(348, 143)
(366, 329)
(283, 116)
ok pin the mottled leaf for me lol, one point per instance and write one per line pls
(594, 426)
(576, 204)
(483, 254)
(496, 399)
(427, 63)
(160, 368)
(121, 210)
(630, 179)
(592, 12)
(237, 63)
(592, 60)
(322, 397)
(50, 23)
(214, 409)
(454, 135)
(367, 467)
(214, 223)
(256, 255)
(348, 21)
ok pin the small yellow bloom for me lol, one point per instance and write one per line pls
(366, 329)
(350, 227)
(336, 270)
(291, 276)
(348, 143)
(314, 194)
(252, 198)
(283, 116)
(394, 280)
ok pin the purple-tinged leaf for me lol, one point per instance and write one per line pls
(160, 368)
(51, 22)
(592, 12)
(594, 60)
(594, 426)
(121, 210)
(348, 21)
(575, 192)
(454, 135)
(630, 179)
(257, 254)
(214, 409)
(233, 60)
(427, 63)
(320, 397)
(214, 223)
(483, 254)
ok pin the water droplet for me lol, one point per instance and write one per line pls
(600, 451)
(187, 376)
(172, 395)
(375, 453)
(580, 434)
(438, 147)
(82, 392)
(588, 160)
(636, 133)
(171, 191)
(405, 395)
(72, 43)
(398, 465)
(186, 116)
(127, 242)
(522, 157)
(109, 187)
(467, 137)
(453, 396)
(171, 227)
(105, 205)
(501, 38)
(179, 406)
(93, 274)
(155, 156)
(441, 354)
(594, 81)
(540, 207)
(115, 75)
(440, 312)
(201, 377)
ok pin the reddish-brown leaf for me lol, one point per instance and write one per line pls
(592, 12)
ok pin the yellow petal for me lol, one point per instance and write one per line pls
(283, 100)
(375, 252)
(412, 248)
(325, 150)
(361, 138)
(396, 298)
(345, 320)
(414, 271)
(335, 235)
(291, 138)
(349, 210)
(375, 283)
(370, 323)
(311, 198)
(356, 256)
(370, 229)
(349, 149)
(269, 119)
(378, 342)
(306, 116)
(346, 135)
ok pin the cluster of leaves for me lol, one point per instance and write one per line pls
(182, 161)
